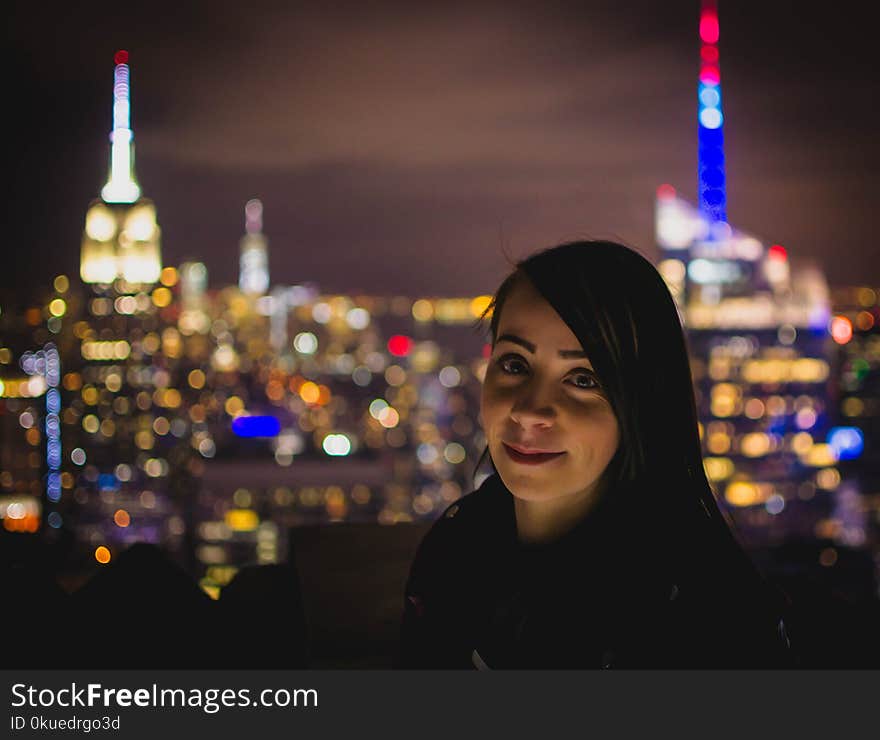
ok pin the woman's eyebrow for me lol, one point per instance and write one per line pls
(566, 354)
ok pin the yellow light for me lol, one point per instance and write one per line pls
(742, 493)
(867, 297)
(57, 307)
(809, 370)
(196, 379)
(719, 368)
(828, 478)
(673, 271)
(820, 456)
(171, 398)
(242, 520)
(422, 310)
(162, 297)
(168, 277)
(141, 223)
(61, 284)
(234, 405)
(151, 343)
(100, 223)
(309, 392)
(718, 443)
(756, 444)
(102, 555)
(718, 468)
(90, 423)
(210, 588)
(801, 443)
(724, 399)
(144, 440)
(119, 350)
(479, 305)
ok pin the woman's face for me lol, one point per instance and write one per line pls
(549, 427)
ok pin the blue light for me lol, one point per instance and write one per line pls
(847, 442)
(711, 118)
(55, 520)
(53, 426)
(108, 482)
(712, 181)
(53, 400)
(256, 426)
(710, 97)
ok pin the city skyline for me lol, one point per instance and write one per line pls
(403, 143)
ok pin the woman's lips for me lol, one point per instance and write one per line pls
(529, 457)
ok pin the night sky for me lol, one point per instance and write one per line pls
(408, 149)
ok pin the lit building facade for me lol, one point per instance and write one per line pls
(855, 329)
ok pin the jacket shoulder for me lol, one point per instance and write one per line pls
(460, 528)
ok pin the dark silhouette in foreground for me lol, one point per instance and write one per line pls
(144, 611)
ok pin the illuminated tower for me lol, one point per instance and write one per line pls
(254, 264)
(758, 338)
(712, 194)
(121, 238)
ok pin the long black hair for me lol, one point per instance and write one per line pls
(620, 309)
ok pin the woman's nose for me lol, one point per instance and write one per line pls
(533, 407)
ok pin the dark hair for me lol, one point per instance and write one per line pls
(619, 308)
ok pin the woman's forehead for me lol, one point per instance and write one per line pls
(527, 314)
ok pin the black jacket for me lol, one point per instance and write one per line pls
(600, 597)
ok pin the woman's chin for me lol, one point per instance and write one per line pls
(532, 485)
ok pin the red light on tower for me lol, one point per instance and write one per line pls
(399, 345)
(121, 57)
(665, 191)
(709, 53)
(777, 252)
(709, 26)
(710, 74)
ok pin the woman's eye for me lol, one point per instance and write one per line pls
(512, 365)
(583, 380)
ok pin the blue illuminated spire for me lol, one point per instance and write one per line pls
(121, 186)
(712, 185)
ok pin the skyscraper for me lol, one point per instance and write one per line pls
(254, 265)
(758, 335)
(121, 239)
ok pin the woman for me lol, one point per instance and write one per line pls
(597, 541)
